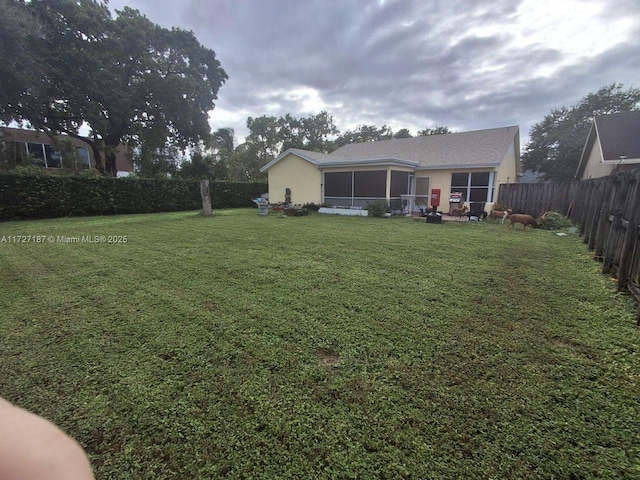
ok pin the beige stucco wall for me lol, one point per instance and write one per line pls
(302, 177)
(595, 166)
(507, 172)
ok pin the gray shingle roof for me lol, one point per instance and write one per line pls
(619, 134)
(480, 148)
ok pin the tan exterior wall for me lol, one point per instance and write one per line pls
(300, 176)
(507, 172)
(595, 166)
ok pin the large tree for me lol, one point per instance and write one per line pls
(309, 133)
(126, 78)
(19, 62)
(434, 131)
(364, 133)
(555, 144)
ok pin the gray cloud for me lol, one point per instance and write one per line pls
(411, 63)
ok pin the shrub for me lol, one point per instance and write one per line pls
(378, 208)
(312, 207)
(554, 221)
(26, 195)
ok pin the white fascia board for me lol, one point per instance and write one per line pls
(457, 166)
(367, 162)
(622, 161)
(297, 153)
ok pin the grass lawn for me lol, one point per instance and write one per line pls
(241, 346)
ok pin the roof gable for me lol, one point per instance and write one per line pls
(308, 155)
(619, 135)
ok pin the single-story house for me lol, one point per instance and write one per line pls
(24, 147)
(613, 145)
(403, 172)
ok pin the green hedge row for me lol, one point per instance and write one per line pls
(47, 196)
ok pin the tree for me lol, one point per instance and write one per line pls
(364, 133)
(19, 63)
(402, 133)
(264, 137)
(555, 144)
(308, 133)
(224, 139)
(128, 79)
(200, 166)
(434, 131)
(245, 163)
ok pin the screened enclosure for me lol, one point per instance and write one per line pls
(359, 188)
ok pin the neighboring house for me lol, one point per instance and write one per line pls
(402, 171)
(31, 148)
(613, 145)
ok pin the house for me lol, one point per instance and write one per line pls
(613, 145)
(31, 148)
(402, 171)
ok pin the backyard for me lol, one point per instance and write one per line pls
(174, 346)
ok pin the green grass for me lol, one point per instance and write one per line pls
(241, 346)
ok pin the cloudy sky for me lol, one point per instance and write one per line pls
(466, 64)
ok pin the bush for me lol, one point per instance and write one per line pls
(554, 221)
(24, 195)
(378, 208)
(312, 207)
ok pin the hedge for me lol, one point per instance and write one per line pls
(47, 196)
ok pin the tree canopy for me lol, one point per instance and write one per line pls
(269, 136)
(126, 78)
(555, 144)
(443, 130)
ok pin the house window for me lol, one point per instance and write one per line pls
(475, 186)
(83, 153)
(36, 150)
(45, 156)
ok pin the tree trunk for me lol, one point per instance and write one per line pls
(110, 162)
(97, 156)
(206, 198)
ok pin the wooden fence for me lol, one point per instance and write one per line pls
(607, 212)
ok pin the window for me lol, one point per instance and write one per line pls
(36, 150)
(83, 153)
(45, 156)
(54, 159)
(475, 186)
